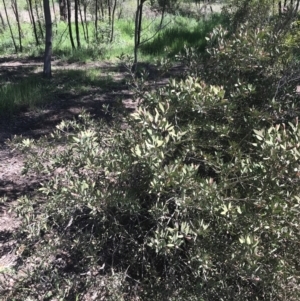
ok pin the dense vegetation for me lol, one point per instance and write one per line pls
(193, 196)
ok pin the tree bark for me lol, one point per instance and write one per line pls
(85, 21)
(140, 21)
(109, 11)
(16, 12)
(279, 8)
(70, 24)
(77, 24)
(2, 21)
(39, 19)
(54, 13)
(137, 31)
(48, 40)
(113, 21)
(163, 14)
(37, 42)
(63, 10)
(96, 21)
(29, 12)
(82, 23)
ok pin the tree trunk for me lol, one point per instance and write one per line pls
(39, 19)
(63, 10)
(162, 14)
(77, 24)
(2, 21)
(70, 24)
(137, 31)
(11, 33)
(16, 12)
(29, 12)
(85, 21)
(96, 21)
(279, 8)
(48, 40)
(101, 9)
(140, 21)
(113, 21)
(82, 23)
(54, 13)
(109, 11)
(37, 42)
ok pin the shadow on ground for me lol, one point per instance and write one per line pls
(40, 104)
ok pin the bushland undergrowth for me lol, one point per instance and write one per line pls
(194, 196)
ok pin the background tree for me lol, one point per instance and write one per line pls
(39, 18)
(2, 21)
(70, 24)
(48, 41)
(14, 6)
(63, 10)
(77, 23)
(9, 26)
(32, 18)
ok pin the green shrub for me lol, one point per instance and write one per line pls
(194, 196)
(171, 206)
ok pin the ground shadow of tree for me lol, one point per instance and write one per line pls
(61, 97)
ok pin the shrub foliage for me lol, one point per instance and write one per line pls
(194, 196)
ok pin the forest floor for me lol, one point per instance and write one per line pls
(40, 121)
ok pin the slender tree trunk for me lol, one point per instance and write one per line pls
(96, 20)
(162, 14)
(37, 42)
(137, 31)
(39, 19)
(279, 8)
(54, 13)
(2, 21)
(101, 9)
(29, 12)
(109, 11)
(8, 23)
(140, 22)
(120, 13)
(81, 20)
(85, 21)
(48, 41)
(16, 12)
(297, 5)
(137, 16)
(113, 21)
(77, 24)
(70, 24)
(63, 10)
